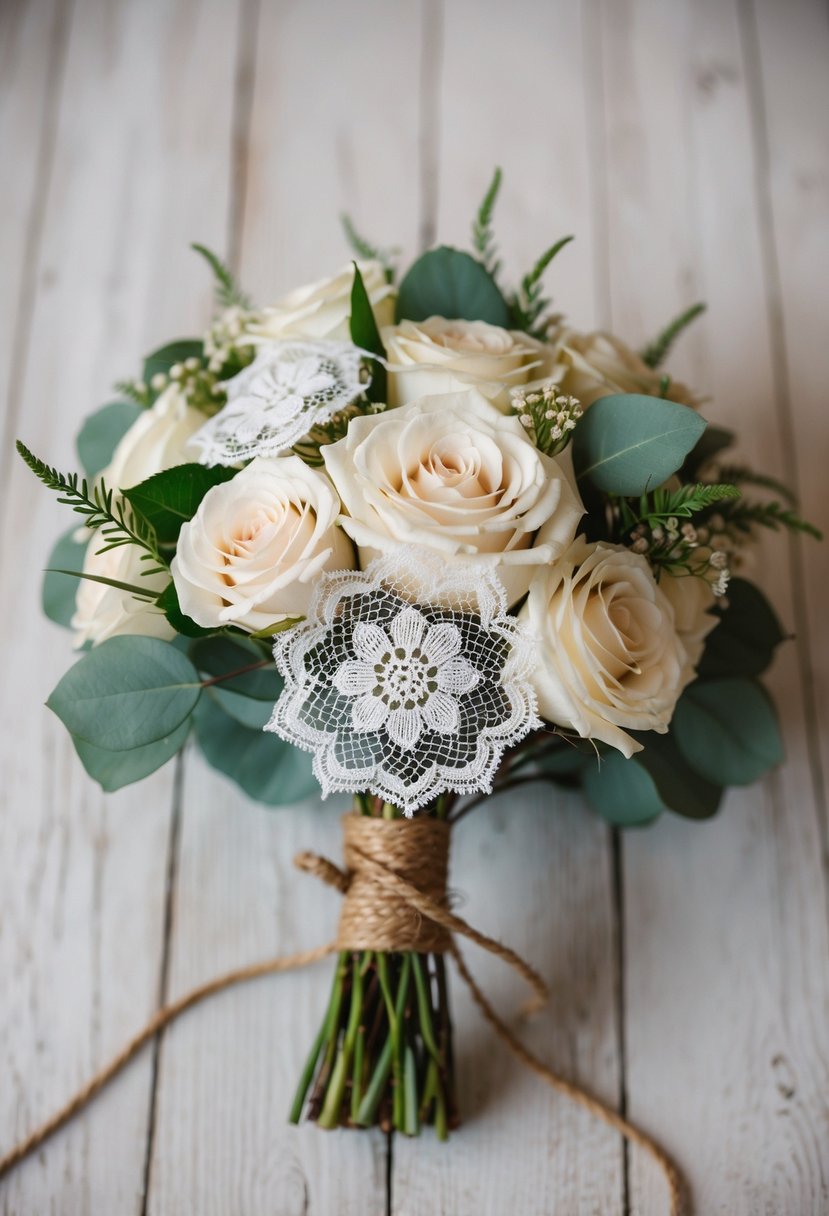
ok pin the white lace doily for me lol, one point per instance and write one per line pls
(289, 388)
(406, 680)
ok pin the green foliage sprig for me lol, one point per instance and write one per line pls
(365, 250)
(483, 237)
(529, 303)
(746, 516)
(662, 504)
(102, 511)
(228, 292)
(657, 351)
(742, 476)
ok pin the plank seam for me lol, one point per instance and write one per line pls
(33, 239)
(244, 86)
(758, 121)
(173, 852)
(431, 63)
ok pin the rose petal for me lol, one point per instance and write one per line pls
(403, 726)
(442, 642)
(440, 713)
(368, 713)
(457, 676)
(354, 676)
(407, 629)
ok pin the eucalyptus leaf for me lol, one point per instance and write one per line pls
(744, 641)
(448, 283)
(712, 441)
(114, 769)
(126, 693)
(621, 790)
(222, 656)
(727, 730)
(58, 593)
(249, 711)
(171, 498)
(263, 765)
(165, 357)
(102, 432)
(627, 443)
(680, 787)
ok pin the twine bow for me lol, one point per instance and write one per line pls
(394, 890)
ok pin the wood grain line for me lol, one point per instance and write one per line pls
(33, 237)
(431, 62)
(243, 91)
(785, 414)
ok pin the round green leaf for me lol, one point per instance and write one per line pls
(744, 642)
(621, 790)
(126, 693)
(727, 730)
(219, 656)
(58, 592)
(448, 283)
(162, 360)
(680, 787)
(112, 770)
(248, 711)
(101, 433)
(627, 443)
(260, 763)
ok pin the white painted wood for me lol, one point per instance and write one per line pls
(82, 890)
(534, 868)
(234, 1066)
(726, 975)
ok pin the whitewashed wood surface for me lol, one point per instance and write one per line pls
(685, 142)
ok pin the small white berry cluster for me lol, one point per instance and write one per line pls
(221, 342)
(672, 545)
(547, 415)
(198, 385)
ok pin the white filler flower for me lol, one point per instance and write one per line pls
(289, 388)
(406, 680)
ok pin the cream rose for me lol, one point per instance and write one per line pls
(692, 598)
(440, 356)
(322, 309)
(598, 364)
(609, 657)
(103, 612)
(250, 554)
(156, 441)
(452, 474)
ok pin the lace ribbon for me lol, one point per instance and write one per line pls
(386, 871)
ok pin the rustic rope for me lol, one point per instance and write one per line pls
(395, 900)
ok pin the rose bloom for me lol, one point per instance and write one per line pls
(250, 554)
(156, 441)
(103, 612)
(691, 598)
(440, 356)
(609, 657)
(452, 474)
(598, 364)
(323, 309)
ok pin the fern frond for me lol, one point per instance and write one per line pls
(483, 238)
(657, 351)
(365, 250)
(528, 303)
(117, 523)
(741, 475)
(772, 515)
(228, 292)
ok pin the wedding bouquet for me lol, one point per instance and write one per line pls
(481, 548)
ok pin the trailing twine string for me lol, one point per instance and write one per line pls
(395, 899)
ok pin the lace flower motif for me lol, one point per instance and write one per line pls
(406, 680)
(289, 388)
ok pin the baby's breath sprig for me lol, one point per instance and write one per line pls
(199, 385)
(548, 416)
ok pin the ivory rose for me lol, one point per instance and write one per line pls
(102, 611)
(609, 657)
(440, 356)
(691, 597)
(157, 440)
(452, 474)
(249, 555)
(322, 309)
(598, 364)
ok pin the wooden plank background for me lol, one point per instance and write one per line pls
(685, 142)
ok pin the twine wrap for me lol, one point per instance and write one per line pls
(395, 901)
